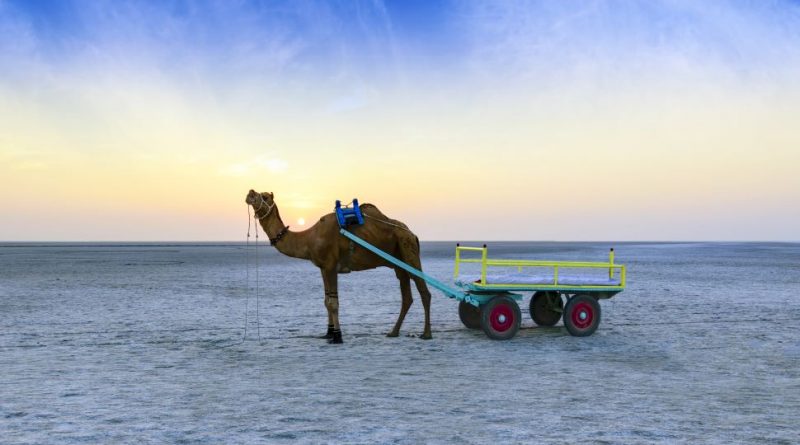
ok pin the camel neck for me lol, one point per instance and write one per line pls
(287, 242)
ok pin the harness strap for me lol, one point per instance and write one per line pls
(260, 205)
(279, 236)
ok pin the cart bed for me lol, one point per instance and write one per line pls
(468, 280)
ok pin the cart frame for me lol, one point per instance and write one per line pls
(494, 307)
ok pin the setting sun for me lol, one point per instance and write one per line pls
(301, 221)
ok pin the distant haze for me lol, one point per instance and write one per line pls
(551, 120)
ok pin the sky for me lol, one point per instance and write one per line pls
(671, 120)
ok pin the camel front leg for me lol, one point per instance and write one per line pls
(329, 334)
(330, 281)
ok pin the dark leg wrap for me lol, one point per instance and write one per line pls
(335, 334)
(337, 337)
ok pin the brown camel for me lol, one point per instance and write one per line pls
(324, 246)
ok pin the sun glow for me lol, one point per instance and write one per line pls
(301, 221)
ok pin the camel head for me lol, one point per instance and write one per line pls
(259, 200)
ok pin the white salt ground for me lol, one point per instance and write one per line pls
(142, 344)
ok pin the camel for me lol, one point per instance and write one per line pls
(323, 245)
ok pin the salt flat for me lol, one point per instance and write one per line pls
(143, 343)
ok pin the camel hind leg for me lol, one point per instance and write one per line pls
(405, 293)
(425, 296)
(409, 251)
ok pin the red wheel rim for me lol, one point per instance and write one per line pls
(582, 315)
(501, 318)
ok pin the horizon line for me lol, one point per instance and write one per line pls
(3, 242)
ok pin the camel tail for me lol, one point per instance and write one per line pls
(415, 250)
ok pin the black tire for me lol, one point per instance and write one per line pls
(546, 308)
(469, 315)
(582, 315)
(500, 318)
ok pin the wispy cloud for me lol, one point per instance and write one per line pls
(21, 160)
(236, 53)
(557, 43)
(257, 165)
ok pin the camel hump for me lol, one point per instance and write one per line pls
(372, 211)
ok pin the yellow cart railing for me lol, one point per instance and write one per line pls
(485, 262)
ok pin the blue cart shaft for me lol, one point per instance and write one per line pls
(445, 289)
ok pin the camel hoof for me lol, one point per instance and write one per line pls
(393, 334)
(427, 336)
(336, 339)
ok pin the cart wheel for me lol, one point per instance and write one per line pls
(500, 318)
(469, 315)
(546, 308)
(582, 315)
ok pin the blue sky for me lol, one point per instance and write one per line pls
(401, 43)
(687, 108)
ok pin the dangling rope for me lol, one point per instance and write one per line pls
(247, 284)
(258, 316)
(247, 268)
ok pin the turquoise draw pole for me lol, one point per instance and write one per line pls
(445, 289)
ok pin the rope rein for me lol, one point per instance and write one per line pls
(258, 303)
(247, 268)
(247, 285)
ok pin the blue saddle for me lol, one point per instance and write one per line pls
(349, 215)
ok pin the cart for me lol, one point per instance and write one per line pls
(488, 290)
(561, 289)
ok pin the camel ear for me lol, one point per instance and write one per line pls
(271, 195)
